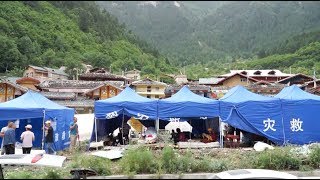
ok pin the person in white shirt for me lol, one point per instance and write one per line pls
(27, 137)
(3, 130)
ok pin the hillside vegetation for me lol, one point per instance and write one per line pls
(69, 33)
(217, 34)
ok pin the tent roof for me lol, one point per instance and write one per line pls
(186, 104)
(127, 95)
(185, 95)
(31, 100)
(240, 94)
(295, 93)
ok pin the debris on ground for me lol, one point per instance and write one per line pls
(261, 146)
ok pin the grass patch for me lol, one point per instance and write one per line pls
(277, 159)
(138, 160)
(99, 164)
(314, 157)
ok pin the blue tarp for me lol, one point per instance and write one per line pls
(186, 104)
(30, 108)
(123, 106)
(128, 102)
(253, 113)
(300, 113)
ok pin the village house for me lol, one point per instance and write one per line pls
(133, 75)
(260, 75)
(201, 90)
(149, 88)
(10, 90)
(79, 94)
(229, 81)
(45, 73)
(298, 79)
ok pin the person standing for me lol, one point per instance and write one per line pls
(3, 130)
(27, 137)
(9, 139)
(74, 133)
(49, 138)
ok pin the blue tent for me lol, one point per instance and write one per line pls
(123, 106)
(33, 108)
(253, 113)
(186, 104)
(300, 113)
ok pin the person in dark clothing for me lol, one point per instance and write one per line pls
(9, 139)
(49, 138)
(126, 131)
(231, 130)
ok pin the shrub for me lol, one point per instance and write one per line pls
(168, 160)
(314, 157)
(139, 160)
(52, 175)
(277, 159)
(100, 165)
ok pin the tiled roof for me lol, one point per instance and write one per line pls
(27, 79)
(210, 80)
(37, 68)
(56, 71)
(46, 69)
(100, 76)
(59, 95)
(296, 75)
(93, 89)
(77, 84)
(265, 72)
(148, 81)
(17, 86)
(191, 87)
(77, 103)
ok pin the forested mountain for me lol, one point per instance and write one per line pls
(57, 33)
(194, 32)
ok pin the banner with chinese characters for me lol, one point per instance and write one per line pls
(262, 118)
(301, 121)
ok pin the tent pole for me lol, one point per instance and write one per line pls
(95, 128)
(190, 129)
(43, 128)
(221, 133)
(122, 127)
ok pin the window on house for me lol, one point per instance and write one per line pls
(148, 96)
(243, 79)
(148, 88)
(257, 73)
(156, 96)
(244, 72)
(157, 88)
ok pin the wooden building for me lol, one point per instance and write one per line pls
(79, 94)
(10, 90)
(45, 73)
(260, 75)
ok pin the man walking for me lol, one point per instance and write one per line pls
(74, 133)
(9, 139)
(3, 130)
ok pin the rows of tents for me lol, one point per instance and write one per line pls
(291, 117)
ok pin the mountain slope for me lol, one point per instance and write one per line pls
(67, 33)
(216, 31)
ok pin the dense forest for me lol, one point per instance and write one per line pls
(68, 33)
(212, 37)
